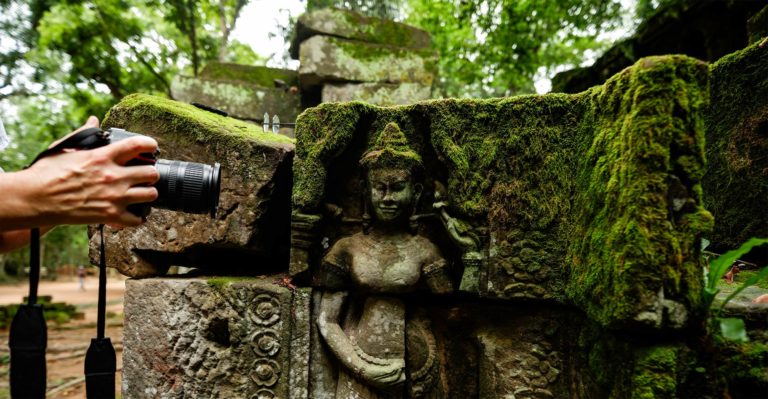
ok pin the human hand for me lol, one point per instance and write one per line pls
(92, 186)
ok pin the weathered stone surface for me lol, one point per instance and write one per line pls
(240, 100)
(736, 179)
(253, 213)
(706, 30)
(382, 94)
(329, 59)
(250, 74)
(214, 338)
(352, 25)
(592, 199)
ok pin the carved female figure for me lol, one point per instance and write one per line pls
(383, 351)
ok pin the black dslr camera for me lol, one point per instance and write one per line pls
(183, 186)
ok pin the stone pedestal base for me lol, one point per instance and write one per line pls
(215, 338)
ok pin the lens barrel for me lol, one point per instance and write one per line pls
(188, 186)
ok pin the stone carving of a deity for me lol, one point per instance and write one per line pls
(383, 349)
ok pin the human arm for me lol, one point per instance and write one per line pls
(78, 187)
(10, 240)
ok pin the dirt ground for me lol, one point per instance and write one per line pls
(67, 343)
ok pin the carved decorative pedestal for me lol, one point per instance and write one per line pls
(215, 338)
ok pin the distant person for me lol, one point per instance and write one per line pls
(75, 187)
(81, 277)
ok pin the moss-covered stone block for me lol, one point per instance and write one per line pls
(736, 179)
(325, 58)
(250, 74)
(353, 25)
(384, 94)
(238, 99)
(254, 203)
(589, 199)
(637, 209)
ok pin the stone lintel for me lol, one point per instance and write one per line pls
(353, 25)
(328, 59)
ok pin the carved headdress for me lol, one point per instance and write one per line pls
(391, 151)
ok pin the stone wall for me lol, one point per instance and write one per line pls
(569, 226)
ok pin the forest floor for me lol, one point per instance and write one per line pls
(68, 342)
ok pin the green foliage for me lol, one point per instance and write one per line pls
(496, 47)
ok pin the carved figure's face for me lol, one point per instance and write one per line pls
(393, 194)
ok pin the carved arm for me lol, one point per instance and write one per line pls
(375, 371)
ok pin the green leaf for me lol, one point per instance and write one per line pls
(733, 329)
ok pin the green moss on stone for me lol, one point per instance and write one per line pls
(190, 122)
(736, 181)
(256, 75)
(744, 364)
(654, 373)
(632, 243)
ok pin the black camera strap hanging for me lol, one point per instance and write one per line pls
(100, 359)
(29, 335)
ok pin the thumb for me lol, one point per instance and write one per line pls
(91, 122)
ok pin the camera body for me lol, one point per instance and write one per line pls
(183, 186)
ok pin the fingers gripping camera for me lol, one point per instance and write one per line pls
(183, 186)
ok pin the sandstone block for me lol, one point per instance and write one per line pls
(383, 94)
(214, 338)
(254, 209)
(325, 58)
(241, 100)
(352, 25)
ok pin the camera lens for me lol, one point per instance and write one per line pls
(188, 186)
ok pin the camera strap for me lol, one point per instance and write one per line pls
(100, 359)
(29, 335)
(82, 139)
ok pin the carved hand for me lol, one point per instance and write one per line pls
(386, 375)
(460, 233)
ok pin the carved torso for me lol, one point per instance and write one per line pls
(382, 263)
